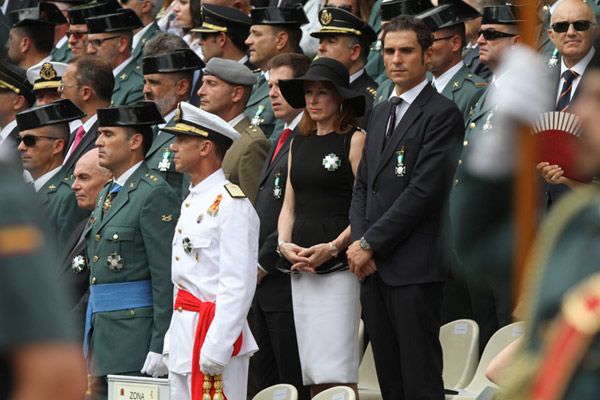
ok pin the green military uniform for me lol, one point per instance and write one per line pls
(244, 160)
(374, 66)
(258, 108)
(130, 242)
(60, 206)
(4, 28)
(464, 89)
(384, 91)
(138, 51)
(61, 54)
(129, 85)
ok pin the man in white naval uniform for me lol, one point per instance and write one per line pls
(214, 260)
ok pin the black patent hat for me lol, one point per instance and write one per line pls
(61, 111)
(391, 9)
(178, 61)
(14, 79)
(284, 16)
(449, 14)
(140, 113)
(122, 20)
(322, 70)
(337, 21)
(229, 20)
(44, 13)
(78, 15)
(505, 14)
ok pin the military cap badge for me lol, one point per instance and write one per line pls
(325, 17)
(47, 72)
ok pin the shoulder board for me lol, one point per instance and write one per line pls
(372, 91)
(151, 178)
(235, 191)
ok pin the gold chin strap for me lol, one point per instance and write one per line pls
(212, 382)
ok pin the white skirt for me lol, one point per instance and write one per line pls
(327, 314)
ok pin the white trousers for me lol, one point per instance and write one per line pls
(235, 381)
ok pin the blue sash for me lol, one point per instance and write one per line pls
(114, 297)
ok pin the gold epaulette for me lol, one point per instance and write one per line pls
(235, 191)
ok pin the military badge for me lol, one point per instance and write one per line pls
(325, 17)
(166, 217)
(400, 168)
(47, 72)
(165, 163)
(107, 204)
(553, 60)
(488, 122)
(187, 245)
(115, 262)
(257, 120)
(78, 264)
(199, 219)
(277, 192)
(331, 162)
(213, 210)
(377, 46)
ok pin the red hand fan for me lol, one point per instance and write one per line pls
(558, 141)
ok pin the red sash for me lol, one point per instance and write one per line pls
(206, 313)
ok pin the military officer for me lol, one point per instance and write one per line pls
(16, 95)
(490, 301)
(43, 136)
(346, 38)
(110, 37)
(78, 29)
(128, 252)
(61, 52)
(45, 79)
(226, 87)
(273, 31)
(215, 254)
(167, 81)
(146, 10)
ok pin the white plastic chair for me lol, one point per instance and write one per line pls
(281, 391)
(460, 349)
(502, 338)
(336, 393)
(368, 384)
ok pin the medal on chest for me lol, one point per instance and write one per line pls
(277, 192)
(257, 120)
(213, 210)
(488, 122)
(115, 262)
(187, 245)
(165, 163)
(78, 264)
(332, 162)
(400, 168)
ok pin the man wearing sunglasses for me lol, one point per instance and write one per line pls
(78, 30)
(43, 137)
(490, 301)
(572, 31)
(110, 37)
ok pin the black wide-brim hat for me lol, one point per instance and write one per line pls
(323, 70)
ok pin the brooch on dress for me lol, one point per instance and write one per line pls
(78, 264)
(332, 162)
(115, 262)
(400, 169)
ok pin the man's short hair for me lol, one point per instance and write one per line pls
(97, 73)
(294, 36)
(164, 43)
(406, 23)
(41, 35)
(60, 131)
(364, 48)
(299, 63)
(145, 131)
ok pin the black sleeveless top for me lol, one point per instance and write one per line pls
(322, 179)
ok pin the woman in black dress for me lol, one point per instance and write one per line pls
(314, 226)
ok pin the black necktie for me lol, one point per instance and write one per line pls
(565, 94)
(395, 102)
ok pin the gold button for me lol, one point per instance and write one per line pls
(132, 312)
(472, 125)
(459, 162)
(95, 259)
(93, 280)
(466, 143)
(455, 182)
(115, 236)
(176, 258)
(98, 237)
(187, 204)
(179, 230)
(180, 309)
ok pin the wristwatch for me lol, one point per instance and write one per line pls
(278, 249)
(364, 244)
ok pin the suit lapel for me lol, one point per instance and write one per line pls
(84, 145)
(269, 165)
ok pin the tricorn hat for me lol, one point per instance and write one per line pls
(391, 9)
(14, 79)
(177, 61)
(448, 14)
(122, 20)
(140, 113)
(283, 16)
(44, 13)
(504, 14)
(78, 14)
(49, 114)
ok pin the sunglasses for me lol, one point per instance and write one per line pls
(76, 35)
(492, 34)
(31, 140)
(579, 26)
(98, 42)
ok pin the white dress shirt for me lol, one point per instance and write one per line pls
(42, 180)
(579, 68)
(121, 180)
(236, 120)
(121, 67)
(441, 81)
(407, 99)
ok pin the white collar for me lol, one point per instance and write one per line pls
(61, 42)
(43, 60)
(292, 125)
(122, 180)
(121, 66)
(243, 60)
(4, 6)
(91, 121)
(210, 181)
(167, 118)
(410, 95)
(7, 130)
(553, 6)
(356, 75)
(42, 180)
(138, 36)
(441, 81)
(236, 120)
(581, 65)
(74, 125)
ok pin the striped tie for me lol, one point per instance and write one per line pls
(565, 94)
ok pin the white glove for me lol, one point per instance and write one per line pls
(210, 367)
(154, 365)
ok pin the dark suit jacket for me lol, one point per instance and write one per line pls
(400, 216)
(87, 143)
(273, 293)
(471, 60)
(8, 148)
(19, 4)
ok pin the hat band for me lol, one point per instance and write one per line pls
(46, 85)
(338, 29)
(184, 127)
(4, 84)
(215, 27)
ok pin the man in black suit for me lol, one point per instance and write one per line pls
(401, 188)
(90, 178)
(88, 82)
(277, 359)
